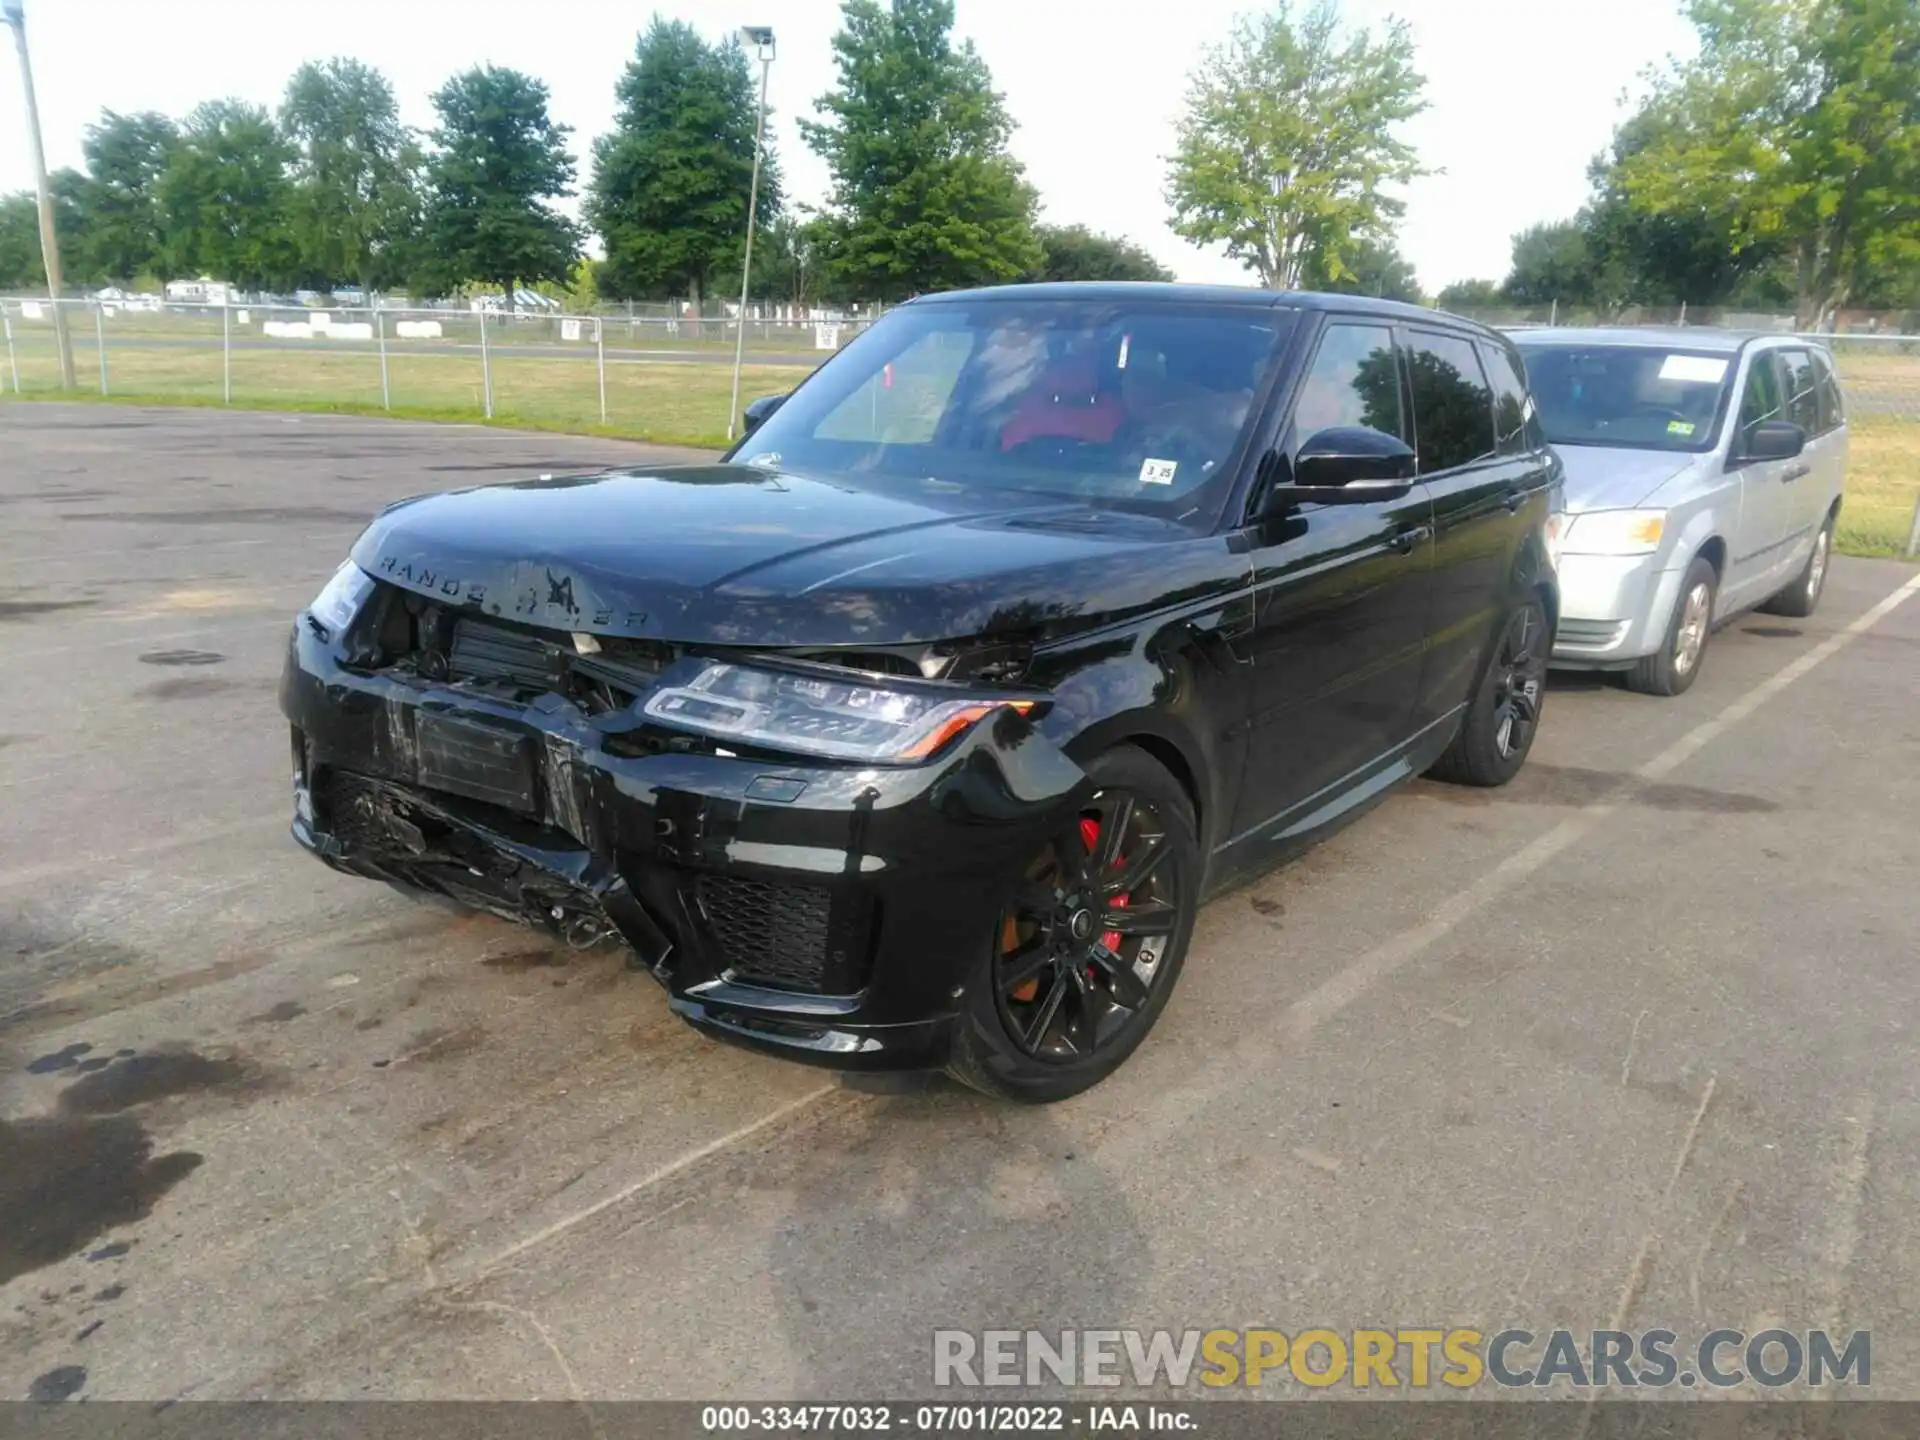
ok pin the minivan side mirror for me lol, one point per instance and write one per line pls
(1346, 465)
(756, 413)
(1774, 440)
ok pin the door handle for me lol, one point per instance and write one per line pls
(1404, 542)
(1794, 473)
(1514, 499)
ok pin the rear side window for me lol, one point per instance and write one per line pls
(1352, 381)
(1452, 402)
(1802, 397)
(1832, 412)
(1760, 400)
(1516, 429)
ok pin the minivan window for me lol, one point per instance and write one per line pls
(1353, 381)
(1452, 403)
(1635, 397)
(1832, 411)
(1761, 399)
(1802, 390)
(1139, 405)
(1515, 427)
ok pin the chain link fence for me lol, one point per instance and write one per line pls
(663, 372)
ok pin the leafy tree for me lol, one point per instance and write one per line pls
(1073, 252)
(1552, 262)
(1798, 122)
(20, 242)
(925, 195)
(786, 261)
(225, 198)
(498, 158)
(670, 183)
(117, 200)
(1289, 140)
(1469, 295)
(355, 200)
(1374, 267)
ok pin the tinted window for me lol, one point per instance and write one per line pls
(1761, 398)
(1802, 389)
(1352, 381)
(1141, 405)
(1516, 428)
(1452, 403)
(1632, 397)
(1832, 411)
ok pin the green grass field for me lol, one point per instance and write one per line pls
(686, 403)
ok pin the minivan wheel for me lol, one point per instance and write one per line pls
(1676, 664)
(1801, 597)
(1502, 719)
(1087, 949)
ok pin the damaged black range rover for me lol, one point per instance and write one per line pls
(913, 733)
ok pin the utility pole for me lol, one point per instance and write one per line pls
(15, 16)
(760, 37)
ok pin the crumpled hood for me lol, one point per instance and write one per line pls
(739, 555)
(1599, 478)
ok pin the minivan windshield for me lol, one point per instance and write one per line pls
(1137, 405)
(1634, 396)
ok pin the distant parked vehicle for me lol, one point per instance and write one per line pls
(1704, 475)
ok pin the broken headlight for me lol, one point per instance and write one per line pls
(341, 598)
(843, 719)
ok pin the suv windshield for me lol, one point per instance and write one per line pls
(1635, 396)
(1136, 406)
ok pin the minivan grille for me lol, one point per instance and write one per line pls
(1589, 634)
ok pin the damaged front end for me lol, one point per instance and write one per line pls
(832, 905)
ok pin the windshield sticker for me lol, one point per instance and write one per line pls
(1679, 427)
(1701, 368)
(1157, 472)
(1126, 344)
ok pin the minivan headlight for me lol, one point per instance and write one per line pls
(341, 598)
(1615, 532)
(842, 719)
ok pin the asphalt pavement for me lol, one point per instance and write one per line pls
(1631, 1042)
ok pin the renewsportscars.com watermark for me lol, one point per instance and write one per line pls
(1402, 1358)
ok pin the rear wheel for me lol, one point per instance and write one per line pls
(1674, 667)
(1502, 719)
(1801, 597)
(1086, 951)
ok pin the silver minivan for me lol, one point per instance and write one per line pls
(1704, 471)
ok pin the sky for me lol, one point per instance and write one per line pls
(1522, 92)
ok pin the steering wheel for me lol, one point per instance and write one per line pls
(1665, 412)
(1055, 448)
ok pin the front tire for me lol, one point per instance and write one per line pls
(1672, 669)
(1504, 715)
(1802, 597)
(1085, 955)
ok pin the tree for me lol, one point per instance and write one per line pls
(1797, 123)
(1374, 267)
(20, 242)
(1073, 252)
(498, 157)
(225, 198)
(1289, 140)
(924, 195)
(1468, 295)
(670, 183)
(118, 199)
(786, 261)
(356, 201)
(1552, 262)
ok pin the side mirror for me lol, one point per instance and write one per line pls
(756, 413)
(1347, 465)
(1774, 440)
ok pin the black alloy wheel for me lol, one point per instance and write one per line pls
(1090, 943)
(1504, 715)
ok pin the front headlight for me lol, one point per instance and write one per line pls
(1615, 532)
(1556, 536)
(341, 598)
(843, 719)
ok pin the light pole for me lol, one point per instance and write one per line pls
(15, 15)
(760, 39)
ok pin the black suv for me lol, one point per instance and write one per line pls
(914, 733)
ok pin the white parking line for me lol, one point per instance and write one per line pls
(1341, 990)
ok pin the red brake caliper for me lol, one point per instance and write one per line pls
(1090, 837)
